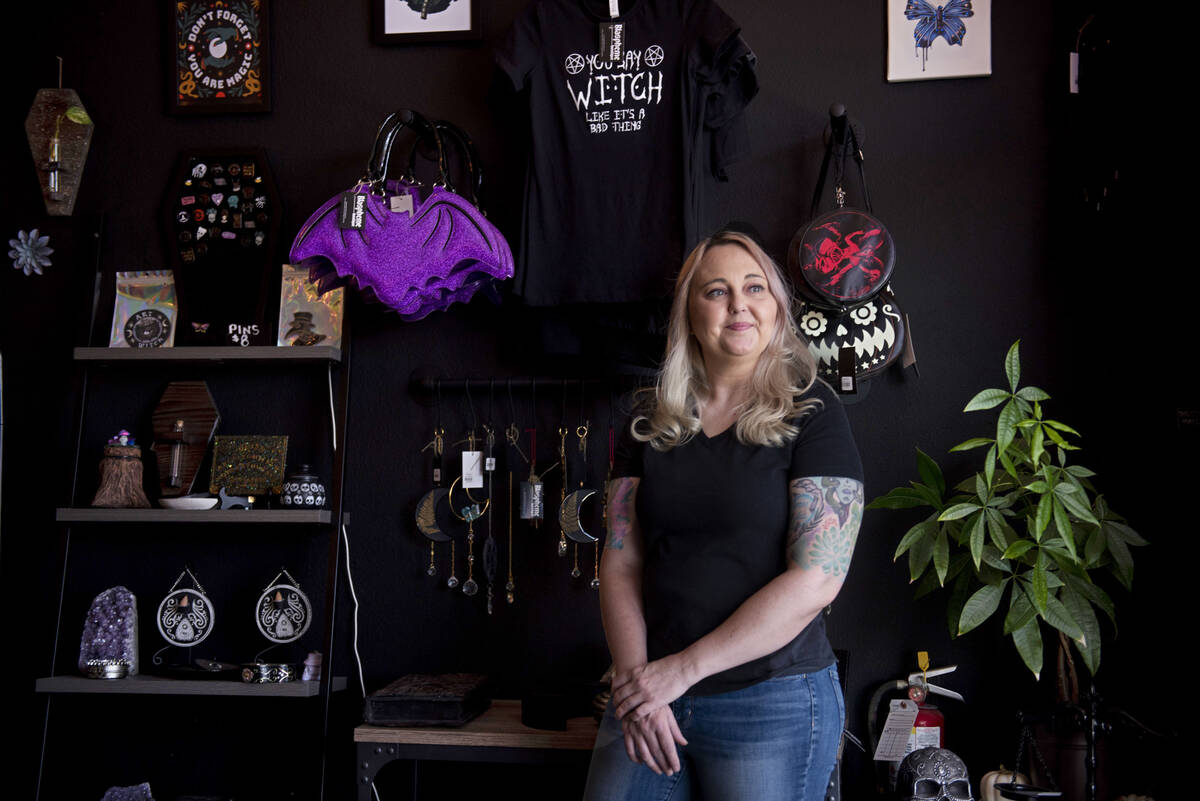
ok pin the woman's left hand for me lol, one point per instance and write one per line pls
(649, 687)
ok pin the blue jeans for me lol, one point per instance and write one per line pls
(774, 741)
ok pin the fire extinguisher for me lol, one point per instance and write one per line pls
(929, 728)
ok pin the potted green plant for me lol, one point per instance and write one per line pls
(1027, 532)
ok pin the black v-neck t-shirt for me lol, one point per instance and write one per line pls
(713, 516)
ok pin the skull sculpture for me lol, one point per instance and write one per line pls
(933, 774)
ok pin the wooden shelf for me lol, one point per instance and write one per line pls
(157, 685)
(232, 517)
(254, 353)
(499, 726)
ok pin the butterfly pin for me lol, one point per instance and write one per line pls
(944, 21)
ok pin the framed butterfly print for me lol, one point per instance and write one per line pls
(404, 21)
(927, 40)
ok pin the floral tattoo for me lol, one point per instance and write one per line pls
(826, 512)
(622, 492)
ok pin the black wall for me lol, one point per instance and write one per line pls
(978, 179)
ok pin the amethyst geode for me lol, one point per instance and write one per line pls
(110, 629)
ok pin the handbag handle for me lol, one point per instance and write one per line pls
(842, 136)
(385, 138)
(466, 147)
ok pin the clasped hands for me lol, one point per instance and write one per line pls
(641, 698)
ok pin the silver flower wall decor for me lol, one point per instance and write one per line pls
(30, 252)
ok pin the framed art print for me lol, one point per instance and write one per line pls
(927, 40)
(219, 56)
(401, 21)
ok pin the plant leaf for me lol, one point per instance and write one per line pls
(1058, 616)
(917, 532)
(1032, 394)
(1126, 533)
(995, 525)
(957, 600)
(1083, 614)
(1096, 596)
(1028, 640)
(1010, 467)
(980, 606)
(1017, 549)
(978, 530)
(970, 444)
(1038, 587)
(1045, 510)
(1006, 425)
(1020, 612)
(987, 399)
(1063, 523)
(918, 557)
(931, 473)
(1012, 365)
(1036, 445)
(1060, 426)
(941, 556)
(77, 114)
(899, 498)
(989, 465)
(1122, 560)
(958, 510)
(1075, 505)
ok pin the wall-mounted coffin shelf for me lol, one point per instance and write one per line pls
(185, 421)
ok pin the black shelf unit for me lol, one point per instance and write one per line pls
(289, 522)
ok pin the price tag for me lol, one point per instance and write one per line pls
(472, 469)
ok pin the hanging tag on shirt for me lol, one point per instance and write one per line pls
(612, 41)
(352, 211)
(402, 202)
(472, 469)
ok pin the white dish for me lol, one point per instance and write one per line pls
(192, 502)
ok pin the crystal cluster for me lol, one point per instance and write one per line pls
(137, 792)
(110, 629)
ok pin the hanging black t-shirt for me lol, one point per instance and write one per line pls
(713, 515)
(620, 147)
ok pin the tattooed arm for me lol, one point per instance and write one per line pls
(621, 578)
(824, 517)
(650, 739)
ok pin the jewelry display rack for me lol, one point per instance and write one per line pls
(303, 522)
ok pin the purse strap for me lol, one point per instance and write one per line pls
(385, 138)
(466, 148)
(843, 138)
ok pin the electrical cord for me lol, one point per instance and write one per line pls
(354, 639)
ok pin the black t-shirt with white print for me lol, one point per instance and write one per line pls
(611, 192)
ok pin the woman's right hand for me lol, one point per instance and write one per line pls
(651, 740)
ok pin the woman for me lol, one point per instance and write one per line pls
(733, 511)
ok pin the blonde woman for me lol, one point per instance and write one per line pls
(734, 507)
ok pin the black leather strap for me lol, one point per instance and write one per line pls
(385, 138)
(843, 139)
(466, 148)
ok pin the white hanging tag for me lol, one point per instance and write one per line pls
(472, 469)
(893, 742)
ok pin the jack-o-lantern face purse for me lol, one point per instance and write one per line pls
(841, 264)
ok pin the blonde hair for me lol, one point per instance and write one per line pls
(785, 369)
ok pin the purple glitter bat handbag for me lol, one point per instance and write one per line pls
(416, 249)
